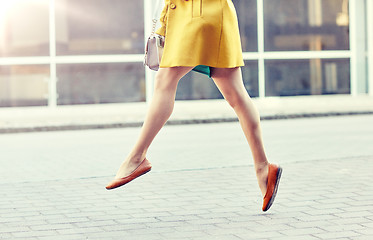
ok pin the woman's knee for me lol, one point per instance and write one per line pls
(254, 123)
(235, 98)
(242, 103)
(164, 81)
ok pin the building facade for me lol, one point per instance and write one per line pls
(64, 52)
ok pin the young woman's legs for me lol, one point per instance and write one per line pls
(159, 111)
(229, 81)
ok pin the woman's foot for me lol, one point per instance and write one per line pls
(134, 164)
(273, 180)
(141, 169)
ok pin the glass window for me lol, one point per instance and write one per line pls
(247, 21)
(24, 28)
(195, 86)
(303, 25)
(250, 78)
(24, 85)
(100, 83)
(307, 77)
(99, 27)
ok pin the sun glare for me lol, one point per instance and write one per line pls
(6, 5)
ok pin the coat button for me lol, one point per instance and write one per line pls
(172, 6)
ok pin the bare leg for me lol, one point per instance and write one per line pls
(229, 81)
(158, 113)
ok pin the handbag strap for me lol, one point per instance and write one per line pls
(156, 14)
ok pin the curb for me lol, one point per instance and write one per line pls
(72, 127)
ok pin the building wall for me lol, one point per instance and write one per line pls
(58, 52)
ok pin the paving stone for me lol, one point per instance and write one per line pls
(5, 235)
(364, 231)
(336, 235)
(47, 226)
(119, 227)
(248, 234)
(302, 231)
(26, 238)
(303, 237)
(19, 228)
(188, 227)
(63, 237)
(29, 234)
(222, 237)
(365, 237)
(76, 230)
(189, 234)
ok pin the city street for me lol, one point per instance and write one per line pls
(202, 185)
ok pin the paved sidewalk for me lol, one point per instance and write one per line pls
(326, 199)
(202, 185)
(132, 114)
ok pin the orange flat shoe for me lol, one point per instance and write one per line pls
(143, 168)
(274, 175)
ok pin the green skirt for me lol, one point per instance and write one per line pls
(203, 69)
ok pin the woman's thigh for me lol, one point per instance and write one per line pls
(228, 80)
(167, 77)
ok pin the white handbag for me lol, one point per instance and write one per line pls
(154, 50)
(154, 45)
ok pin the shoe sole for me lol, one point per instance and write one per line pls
(279, 172)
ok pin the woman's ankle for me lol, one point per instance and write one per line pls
(261, 167)
(136, 157)
(261, 171)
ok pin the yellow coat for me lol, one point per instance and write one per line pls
(200, 32)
